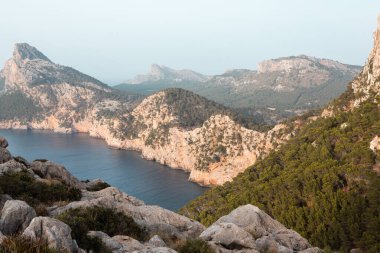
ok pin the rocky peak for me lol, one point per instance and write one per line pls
(24, 51)
(367, 84)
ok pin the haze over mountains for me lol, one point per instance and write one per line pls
(288, 83)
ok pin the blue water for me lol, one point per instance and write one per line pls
(89, 158)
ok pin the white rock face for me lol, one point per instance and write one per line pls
(56, 233)
(247, 227)
(15, 216)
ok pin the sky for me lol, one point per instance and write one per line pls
(114, 40)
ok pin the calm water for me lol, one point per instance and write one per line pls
(90, 158)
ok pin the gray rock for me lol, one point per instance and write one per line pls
(15, 216)
(50, 170)
(229, 235)
(155, 250)
(252, 220)
(109, 242)
(3, 142)
(156, 241)
(155, 219)
(291, 239)
(128, 243)
(5, 155)
(13, 166)
(56, 233)
(3, 199)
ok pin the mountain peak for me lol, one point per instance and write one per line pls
(23, 51)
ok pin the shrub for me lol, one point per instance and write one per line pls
(20, 244)
(82, 220)
(23, 186)
(195, 246)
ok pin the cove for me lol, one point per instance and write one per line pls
(89, 158)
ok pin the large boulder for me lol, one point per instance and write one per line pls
(15, 216)
(228, 235)
(4, 198)
(155, 250)
(56, 233)
(3, 142)
(12, 166)
(267, 234)
(109, 242)
(156, 241)
(53, 171)
(155, 219)
(5, 155)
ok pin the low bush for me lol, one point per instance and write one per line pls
(82, 220)
(195, 246)
(20, 244)
(23, 186)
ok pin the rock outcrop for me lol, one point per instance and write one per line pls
(249, 228)
(15, 216)
(173, 127)
(56, 233)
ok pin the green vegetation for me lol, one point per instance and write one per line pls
(23, 186)
(195, 246)
(16, 105)
(322, 183)
(99, 219)
(20, 244)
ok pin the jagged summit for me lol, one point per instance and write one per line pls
(29, 67)
(23, 51)
(163, 73)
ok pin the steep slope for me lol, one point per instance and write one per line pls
(173, 127)
(43, 206)
(288, 83)
(324, 182)
(163, 73)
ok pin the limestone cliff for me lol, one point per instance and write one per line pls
(173, 127)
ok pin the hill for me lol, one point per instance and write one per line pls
(325, 181)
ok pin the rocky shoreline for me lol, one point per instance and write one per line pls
(246, 229)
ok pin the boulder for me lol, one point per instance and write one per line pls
(12, 166)
(3, 142)
(155, 250)
(5, 156)
(50, 170)
(56, 233)
(15, 216)
(155, 219)
(3, 199)
(156, 241)
(252, 220)
(228, 235)
(128, 243)
(291, 239)
(109, 242)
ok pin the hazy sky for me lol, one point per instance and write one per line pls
(113, 40)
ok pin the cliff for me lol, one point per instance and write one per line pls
(174, 127)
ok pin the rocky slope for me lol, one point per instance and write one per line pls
(288, 83)
(246, 229)
(328, 172)
(163, 73)
(173, 127)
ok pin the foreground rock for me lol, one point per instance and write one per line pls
(3, 142)
(56, 233)
(53, 171)
(248, 227)
(15, 216)
(155, 219)
(5, 156)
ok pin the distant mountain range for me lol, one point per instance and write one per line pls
(288, 83)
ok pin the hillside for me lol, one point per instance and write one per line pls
(45, 209)
(324, 182)
(173, 126)
(288, 83)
